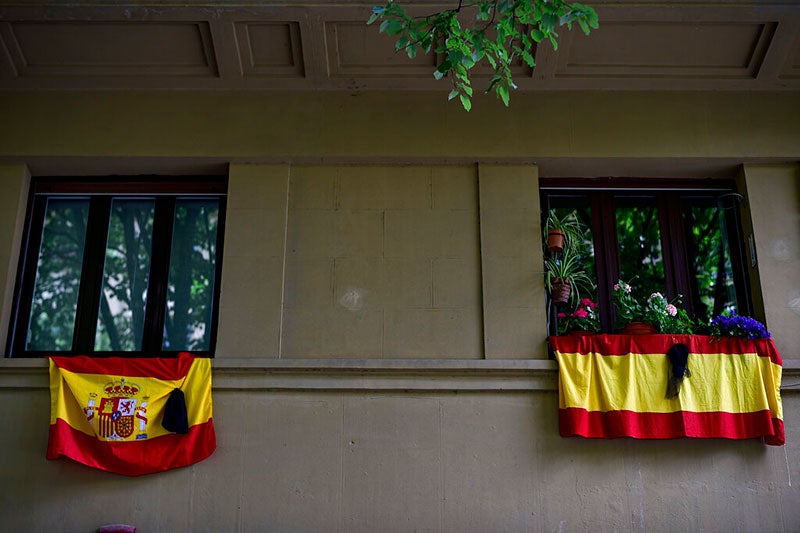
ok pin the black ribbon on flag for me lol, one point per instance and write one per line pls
(679, 359)
(176, 419)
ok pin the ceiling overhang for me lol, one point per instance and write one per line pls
(326, 45)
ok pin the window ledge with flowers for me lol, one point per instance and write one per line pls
(657, 380)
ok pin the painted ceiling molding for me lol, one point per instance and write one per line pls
(305, 45)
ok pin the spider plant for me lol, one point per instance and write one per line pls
(566, 270)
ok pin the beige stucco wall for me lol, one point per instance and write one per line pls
(353, 461)
(398, 125)
(773, 199)
(381, 361)
(379, 261)
(14, 182)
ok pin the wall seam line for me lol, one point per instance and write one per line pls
(283, 265)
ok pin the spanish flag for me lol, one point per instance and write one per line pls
(618, 386)
(131, 416)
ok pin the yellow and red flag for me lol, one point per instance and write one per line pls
(107, 413)
(616, 386)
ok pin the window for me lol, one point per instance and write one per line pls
(679, 236)
(114, 266)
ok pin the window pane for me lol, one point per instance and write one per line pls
(709, 257)
(190, 290)
(58, 275)
(120, 319)
(639, 240)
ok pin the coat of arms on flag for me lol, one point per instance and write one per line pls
(119, 414)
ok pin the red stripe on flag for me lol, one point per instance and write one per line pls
(164, 368)
(133, 458)
(575, 421)
(616, 345)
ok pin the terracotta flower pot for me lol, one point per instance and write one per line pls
(638, 328)
(560, 292)
(555, 241)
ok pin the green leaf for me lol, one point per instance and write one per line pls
(372, 18)
(537, 35)
(391, 26)
(402, 41)
(549, 22)
(493, 82)
(528, 58)
(454, 57)
(502, 92)
(465, 101)
(593, 22)
(452, 94)
(438, 74)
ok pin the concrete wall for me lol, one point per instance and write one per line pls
(392, 461)
(381, 361)
(773, 196)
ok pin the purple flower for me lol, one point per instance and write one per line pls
(738, 326)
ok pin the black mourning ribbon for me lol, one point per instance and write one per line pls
(175, 418)
(679, 359)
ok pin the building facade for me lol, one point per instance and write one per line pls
(381, 358)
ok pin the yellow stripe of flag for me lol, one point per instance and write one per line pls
(734, 383)
(71, 394)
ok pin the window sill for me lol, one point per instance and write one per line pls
(421, 375)
(431, 375)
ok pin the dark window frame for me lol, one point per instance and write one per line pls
(100, 191)
(667, 191)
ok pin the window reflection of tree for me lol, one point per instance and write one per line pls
(121, 313)
(58, 275)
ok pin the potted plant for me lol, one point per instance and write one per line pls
(561, 231)
(565, 276)
(666, 316)
(656, 315)
(733, 325)
(628, 309)
(584, 320)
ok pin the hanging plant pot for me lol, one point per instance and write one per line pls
(559, 293)
(638, 328)
(555, 241)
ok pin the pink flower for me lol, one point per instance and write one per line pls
(594, 305)
(562, 315)
(656, 295)
(587, 301)
(672, 310)
(617, 287)
(581, 313)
